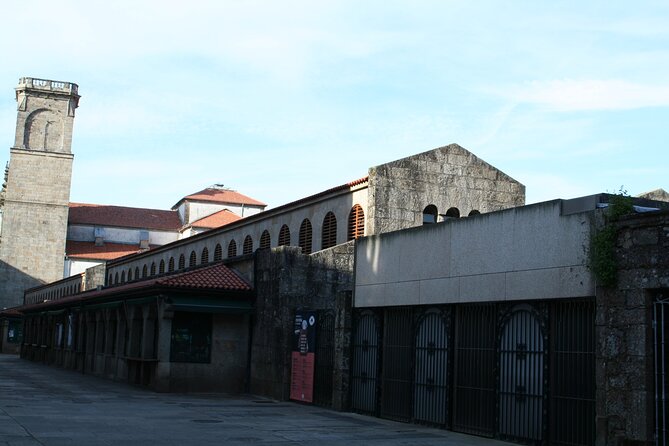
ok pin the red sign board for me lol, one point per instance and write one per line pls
(303, 357)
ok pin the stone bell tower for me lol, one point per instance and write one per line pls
(37, 193)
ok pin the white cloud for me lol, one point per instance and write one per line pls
(592, 94)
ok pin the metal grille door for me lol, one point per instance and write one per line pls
(365, 363)
(474, 392)
(661, 331)
(573, 373)
(521, 377)
(324, 359)
(431, 374)
(398, 345)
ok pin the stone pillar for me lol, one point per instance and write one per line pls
(342, 355)
(163, 346)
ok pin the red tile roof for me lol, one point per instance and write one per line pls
(216, 220)
(108, 251)
(125, 217)
(215, 195)
(216, 277)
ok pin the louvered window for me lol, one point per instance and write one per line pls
(305, 236)
(137, 273)
(182, 261)
(356, 222)
(153, 268)
(145, 271)
(205, 256)
(122, 276)
(192, 261)
(232, 249)
(170, 265)
(161, 267)
(129, 274)
(264, 240)
(247, 247)
(218, 252)
(329, 233)
(284, 236)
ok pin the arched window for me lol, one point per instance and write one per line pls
(192, 261)
(429, 214)
(129, 274)
(137, 273)
(284, 236)
(145, 271)
(161, 267)
(247, 246)
(153, 268)
(329, 232)
(356, 222)
(474, 212)
(232, 248)
(109, 279)
(453, 213)
(170, 265)
(122, 276)
(182, 262)
(218, 252)
(116, 278)
(264, 240)
(305, 236)
(204, 259)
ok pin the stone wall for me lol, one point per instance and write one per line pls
(449, 177)
(286, 280)
(624, 330)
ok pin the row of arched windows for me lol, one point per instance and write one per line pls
(430, 214)
(55, 294)
(356, 228)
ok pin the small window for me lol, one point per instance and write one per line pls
(191, 337)
(284, 236)
(453, 213)
(109, 279)
(218, 252)
(430, 214)
(305, 236)
(170, 265)
(232, 248)
(137, 273)
(329, 233)
(161, 267)
(145, 271)
(192, 261)
(122, 276)
(247, 246)
(153, 268)
(265, 240)
(356, 222)
(182, 262)
(204, 259)
(116, 278)
(129, 274)
(474, 212)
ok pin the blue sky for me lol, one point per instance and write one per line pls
(279, 100)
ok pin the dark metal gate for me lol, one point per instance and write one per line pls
(474, 384)
(661, 335)
(431, 369)
(521, 376)
(365, 363)
(324, 358)
(397, 372)
(573, 373)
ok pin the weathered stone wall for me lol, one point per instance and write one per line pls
(448, 177)
(624, 330)
(287, 280)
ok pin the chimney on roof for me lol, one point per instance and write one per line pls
(99, 236)
(143, 239)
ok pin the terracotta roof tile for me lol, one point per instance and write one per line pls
(125, 217)
(216, 220)
(215, 195)
(108, 251)
(217, 276)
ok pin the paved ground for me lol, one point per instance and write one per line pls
(42, 405)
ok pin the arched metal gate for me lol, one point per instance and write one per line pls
(431, 369)
(365, 363)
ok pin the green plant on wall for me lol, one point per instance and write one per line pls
(603, 241)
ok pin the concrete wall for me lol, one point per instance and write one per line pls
(86, 233)
(448, 177)
(531, 252)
